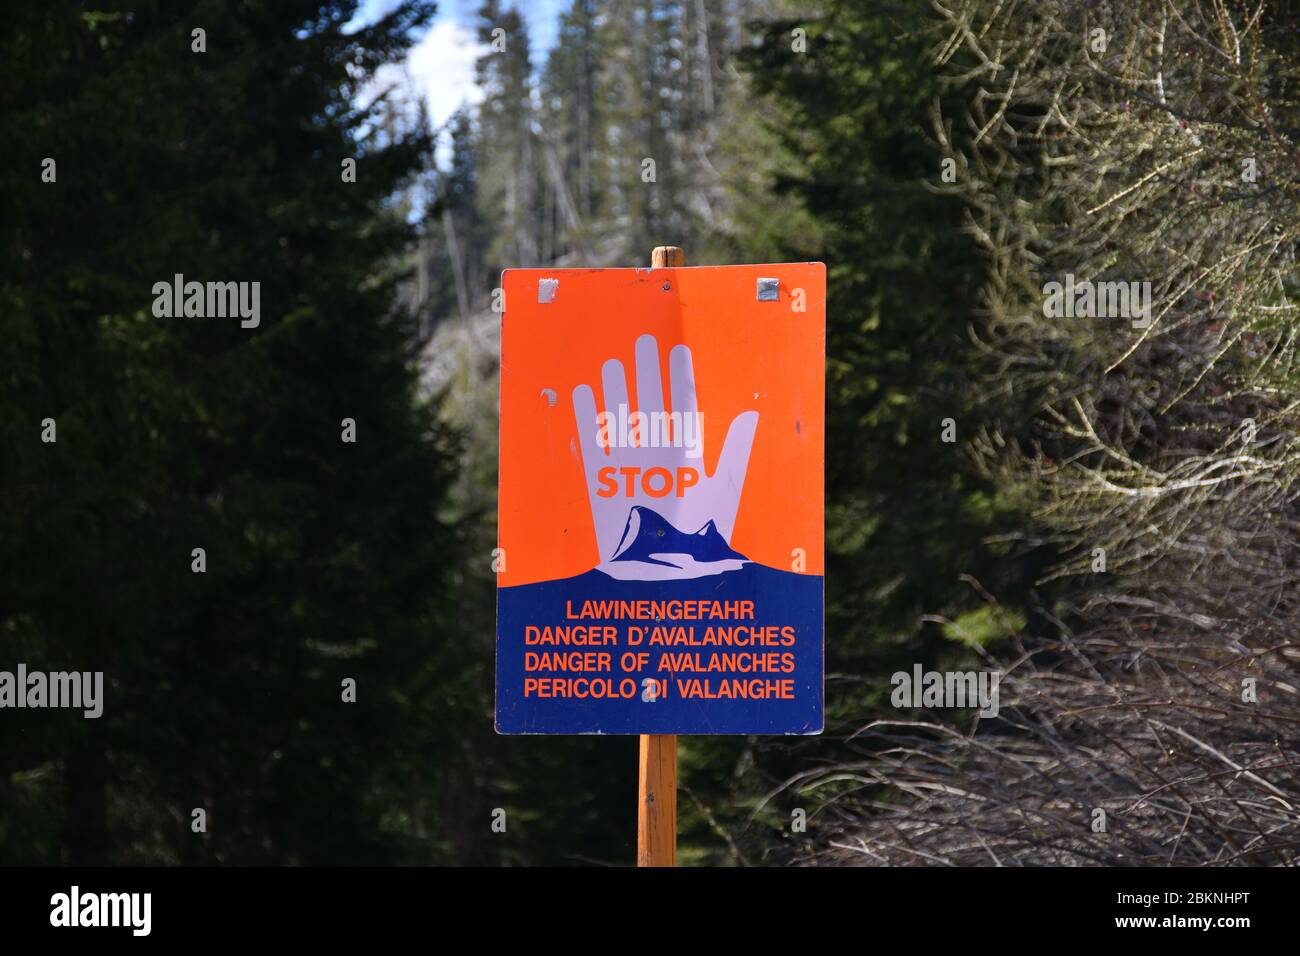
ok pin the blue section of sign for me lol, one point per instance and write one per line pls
(774, 688)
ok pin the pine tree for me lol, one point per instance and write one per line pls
(324, 559)
(508, 173)
(572, 128)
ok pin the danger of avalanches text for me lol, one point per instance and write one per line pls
(759, 654)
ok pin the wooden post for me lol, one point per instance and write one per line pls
(667, 257)
(656, 816)
(656, 819)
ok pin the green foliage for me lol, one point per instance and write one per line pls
(324, 560)
(904, 517)
(985, 625)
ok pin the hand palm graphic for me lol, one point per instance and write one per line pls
(713, 497)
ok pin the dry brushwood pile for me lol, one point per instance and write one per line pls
(1158, 722)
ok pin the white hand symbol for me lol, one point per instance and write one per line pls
(688, 505)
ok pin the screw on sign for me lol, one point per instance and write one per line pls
(662, 456)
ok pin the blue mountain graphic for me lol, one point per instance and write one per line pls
(648, 533)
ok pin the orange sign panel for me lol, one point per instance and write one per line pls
(660, 502)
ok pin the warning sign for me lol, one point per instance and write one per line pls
(660, 503)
